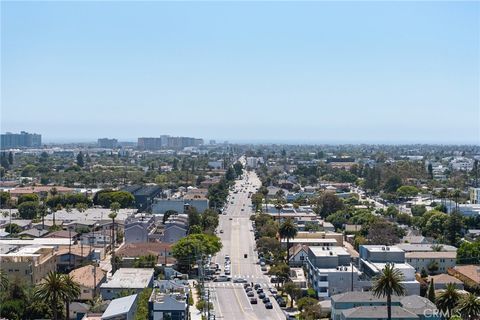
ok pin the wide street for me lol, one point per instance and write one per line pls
(230, 300)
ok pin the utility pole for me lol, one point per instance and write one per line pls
(208, 304)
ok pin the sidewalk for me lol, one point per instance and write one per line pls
(195, 314)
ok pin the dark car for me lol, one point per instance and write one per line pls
(266, 299)
(246, 285)
(260, 290)
(248, 289)
(261, 295)
(268, 305)
(281, 302)
(253, 300)
(256, 286)
(274, 280)
(250, 294)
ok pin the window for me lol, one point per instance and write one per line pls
(302, 258)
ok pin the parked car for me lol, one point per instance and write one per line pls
(250, 294)
(264, 268)
(268, 305)
(266, 299)
(273, 291)
(261, 295)
(282, 303)
(246, 285)
(253, 300)
(274, 280)
(248, 289)
(257, 286)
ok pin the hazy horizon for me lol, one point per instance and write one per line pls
(346, 72)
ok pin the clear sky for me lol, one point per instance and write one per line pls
(389, 72)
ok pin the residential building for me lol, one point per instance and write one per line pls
(71, 257)
(20, 140)
(374, 258)
(121, 309)
(144, 195)
(130, 252)
(135, 279)
(468, 274)
(140, 228)
(356, 305)
(432, 261)
(107, 143)
(440, 281)
(194, 198)
(475, 195)
(176, 227)
(166, 305)
(330, 270)
(298, 255)
(29, 264)
(89, 278)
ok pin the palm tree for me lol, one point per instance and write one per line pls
(469, 307)
(73, 291)
(114, 208)
(55, 289)
(388, 283)
(3, 281)
(431, 291)
(288, 230)
(448, 299)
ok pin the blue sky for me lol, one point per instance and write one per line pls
(389, 72)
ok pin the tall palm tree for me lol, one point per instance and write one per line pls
(114, 208)
(387, 283)
(469, 307)
(55, 289)
(3, 281)
(288, 230)
(448, 299)
(73, 291)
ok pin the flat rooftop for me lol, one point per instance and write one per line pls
(378, 248)
(135, 278)
(320, 251)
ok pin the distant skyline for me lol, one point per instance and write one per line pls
(324, 72)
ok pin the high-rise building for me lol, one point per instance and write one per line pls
(20, 140)
(107, 143)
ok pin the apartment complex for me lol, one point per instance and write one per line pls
(107, 143)
(167, 142)
(20, 140)
(29, 264)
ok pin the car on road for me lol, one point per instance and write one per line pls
(221, 230)
(264, 268)
(222, 279)
(262, 263)
(246, 285)
(266, 299)
(268, 305)
(253, 300)
(281, 302)
(273, 291)
(227, 271)
(248, 289)
(274, 280)
(227, 257)
(239, 280)
(257, 286)
(250, 294)
(230, 218)
(261, 295)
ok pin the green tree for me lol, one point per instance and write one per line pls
(407, 191)
(448, 299)
(288, 230)
(13, 228)
(3, 281)
(10, 158)
(469, 252)
(469, 307)
(328, 203)
(388, 283)
(55, 289)
(5, 199)
(72, 292)
(392, 184)
(281, 271)
(418, 210)
(114, 208)
(80, 160)
(293, 291)
(230, 175)
(454, 226)
(193, 246)
(142, 306)
(431, 291)
(28, 210)
(32, 197)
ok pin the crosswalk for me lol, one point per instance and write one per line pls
(231, 285)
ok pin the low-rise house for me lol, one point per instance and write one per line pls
(168, 306)
(468, 274)
(298, 255)
(440, 281)
(66, 234)
(432, 261)
(193, 198)
(71, 257)
(89, 278)
(135, 279)
(29, 264)
(131, 252)
(176, 227)
(33, 233)
(143, 195)
(121, 309)
(357, 304)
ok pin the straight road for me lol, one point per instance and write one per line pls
(230, 300)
